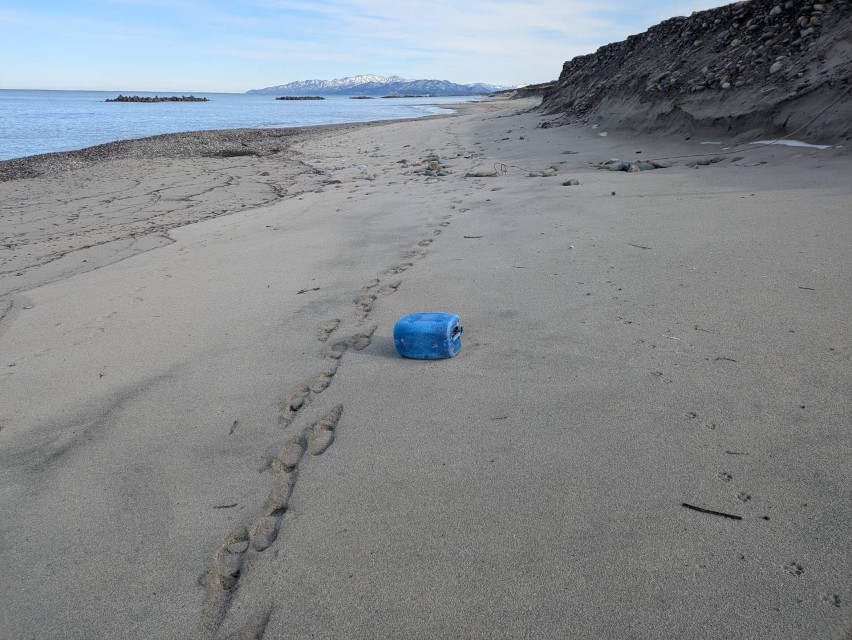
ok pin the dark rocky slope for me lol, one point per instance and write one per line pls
(761, 67)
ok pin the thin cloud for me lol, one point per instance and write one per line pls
(499, 41)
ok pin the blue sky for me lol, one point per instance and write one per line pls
(195, 45)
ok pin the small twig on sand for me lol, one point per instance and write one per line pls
(711, 512)
(234, 427)
(638, 246)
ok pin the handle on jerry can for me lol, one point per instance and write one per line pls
(458, 330)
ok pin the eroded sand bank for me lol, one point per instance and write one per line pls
(216, 438)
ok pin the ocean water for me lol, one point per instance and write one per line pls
(33, 122)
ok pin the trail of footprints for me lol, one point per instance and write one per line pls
(244, 545)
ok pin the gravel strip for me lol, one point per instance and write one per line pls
(224, 143)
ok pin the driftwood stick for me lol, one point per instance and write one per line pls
(711, 512)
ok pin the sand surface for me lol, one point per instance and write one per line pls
(215, 437)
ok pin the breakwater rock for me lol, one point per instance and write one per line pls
(122, 98)
(760, 67)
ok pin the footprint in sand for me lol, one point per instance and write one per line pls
(327, 328)
(389, 288)
(830, 599)
(263, 532)
(322, 434)
(364, 305)
(399, 268)
(295, 401)
(289, 454)
(369, 285)
(228, 560)
(323, 380)
(413, 253)
(794, 568)
(336, 350)
(743, 496)
(424, 243)
(279, 495)
(363, 339)
(238, 547)
(222, 579)
(724, 476)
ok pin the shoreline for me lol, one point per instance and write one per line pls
(226, 444)
(32, 257)
(202, 141)
(221, 143)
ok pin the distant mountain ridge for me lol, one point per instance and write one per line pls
(371, 85)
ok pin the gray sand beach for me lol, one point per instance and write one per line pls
(207, 431)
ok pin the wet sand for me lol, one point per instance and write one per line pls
(213, 436)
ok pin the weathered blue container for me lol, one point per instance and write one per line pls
(428, 336)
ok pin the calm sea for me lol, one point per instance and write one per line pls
(33, 122)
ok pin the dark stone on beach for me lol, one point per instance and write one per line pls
(265, 173)
(571, 183)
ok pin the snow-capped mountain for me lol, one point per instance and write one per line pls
(372, 85)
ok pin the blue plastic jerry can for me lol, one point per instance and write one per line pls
(428, 335)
